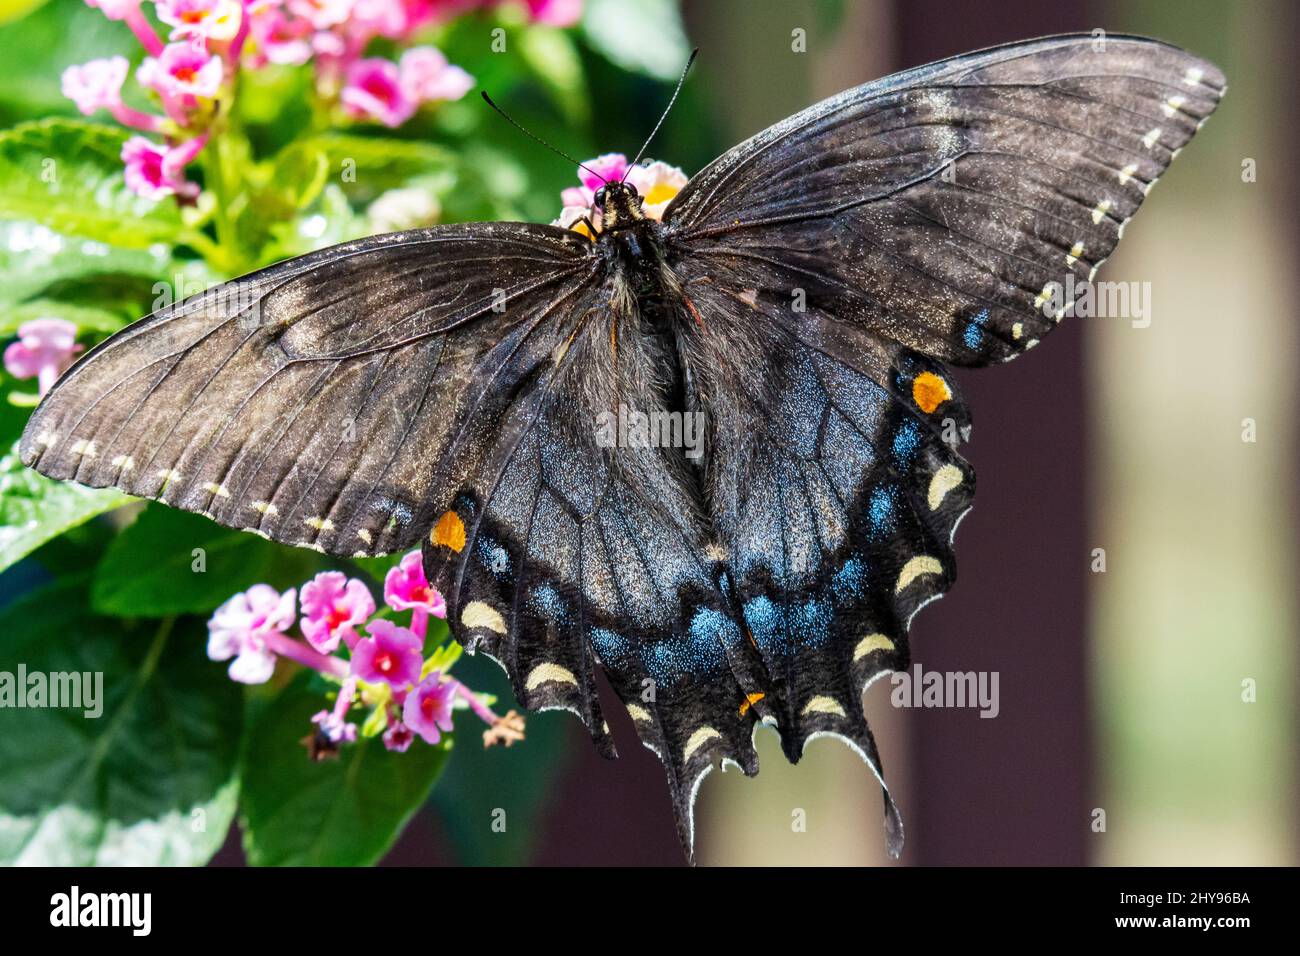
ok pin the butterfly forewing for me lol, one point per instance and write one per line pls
(318, 402)
(944, 206)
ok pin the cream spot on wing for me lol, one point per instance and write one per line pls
(1151, 138)
(1099, 213)
(85, 449)
(124, 462)
(1193, 75)
(1171, 106)
(1017, 330)
(212, 488)
(1044, 295)
(1031, 343)
(364, 535)
(1076, 250)
(360, 554)
(549, 673)
(265, 507)
(479, 614)
(945, 480)
(872, 642)
(1126, 173)
(168, 475)
(698, 739)
(320, 524)
(46, 439)
(920, 565)
(823, 705)
(259, 532)
(715, 552)
(637, 712)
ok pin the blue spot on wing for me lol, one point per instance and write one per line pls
(974, 334)
(880, 509)
(906, 440)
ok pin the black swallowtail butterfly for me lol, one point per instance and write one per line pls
(803, 293)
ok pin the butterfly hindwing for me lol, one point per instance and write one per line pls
(561, 554)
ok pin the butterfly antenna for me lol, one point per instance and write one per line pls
(533, 136)
(641, 152)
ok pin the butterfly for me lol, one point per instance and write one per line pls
(801, 298)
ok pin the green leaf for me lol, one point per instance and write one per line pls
(151, 781)
(343, 812)
(366, 166)
(645, 36)
(67, 175)
(34, 260)
(150, 568)
(34, 509)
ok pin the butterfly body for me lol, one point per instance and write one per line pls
(753, 552)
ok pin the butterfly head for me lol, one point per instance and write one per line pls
(617, 206)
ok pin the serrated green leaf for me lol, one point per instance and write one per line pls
(343, 812)
(67, 175)
(34, 509)
(151, 781)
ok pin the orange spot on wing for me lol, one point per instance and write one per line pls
(929, 391)
(750, 701)
(449, 531)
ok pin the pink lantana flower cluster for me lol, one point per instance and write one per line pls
(189, 74)
(656, 183)
(44, 350)
(385, 668)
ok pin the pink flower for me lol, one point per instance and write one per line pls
(391, 654)
(609, 167)
(44, 351)
(200, 19)
(427, 710)
(322, 14)
(555, 13)
(406, 588)
(156, 172)
(373, 90)
(334, 605)
(332, 722)
(96, 85)
(656, 183)
(181, 75)
(277, 38)
(426, 76)
(246, 626)
(398, 737)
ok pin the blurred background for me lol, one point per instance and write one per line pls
(1162, 690)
